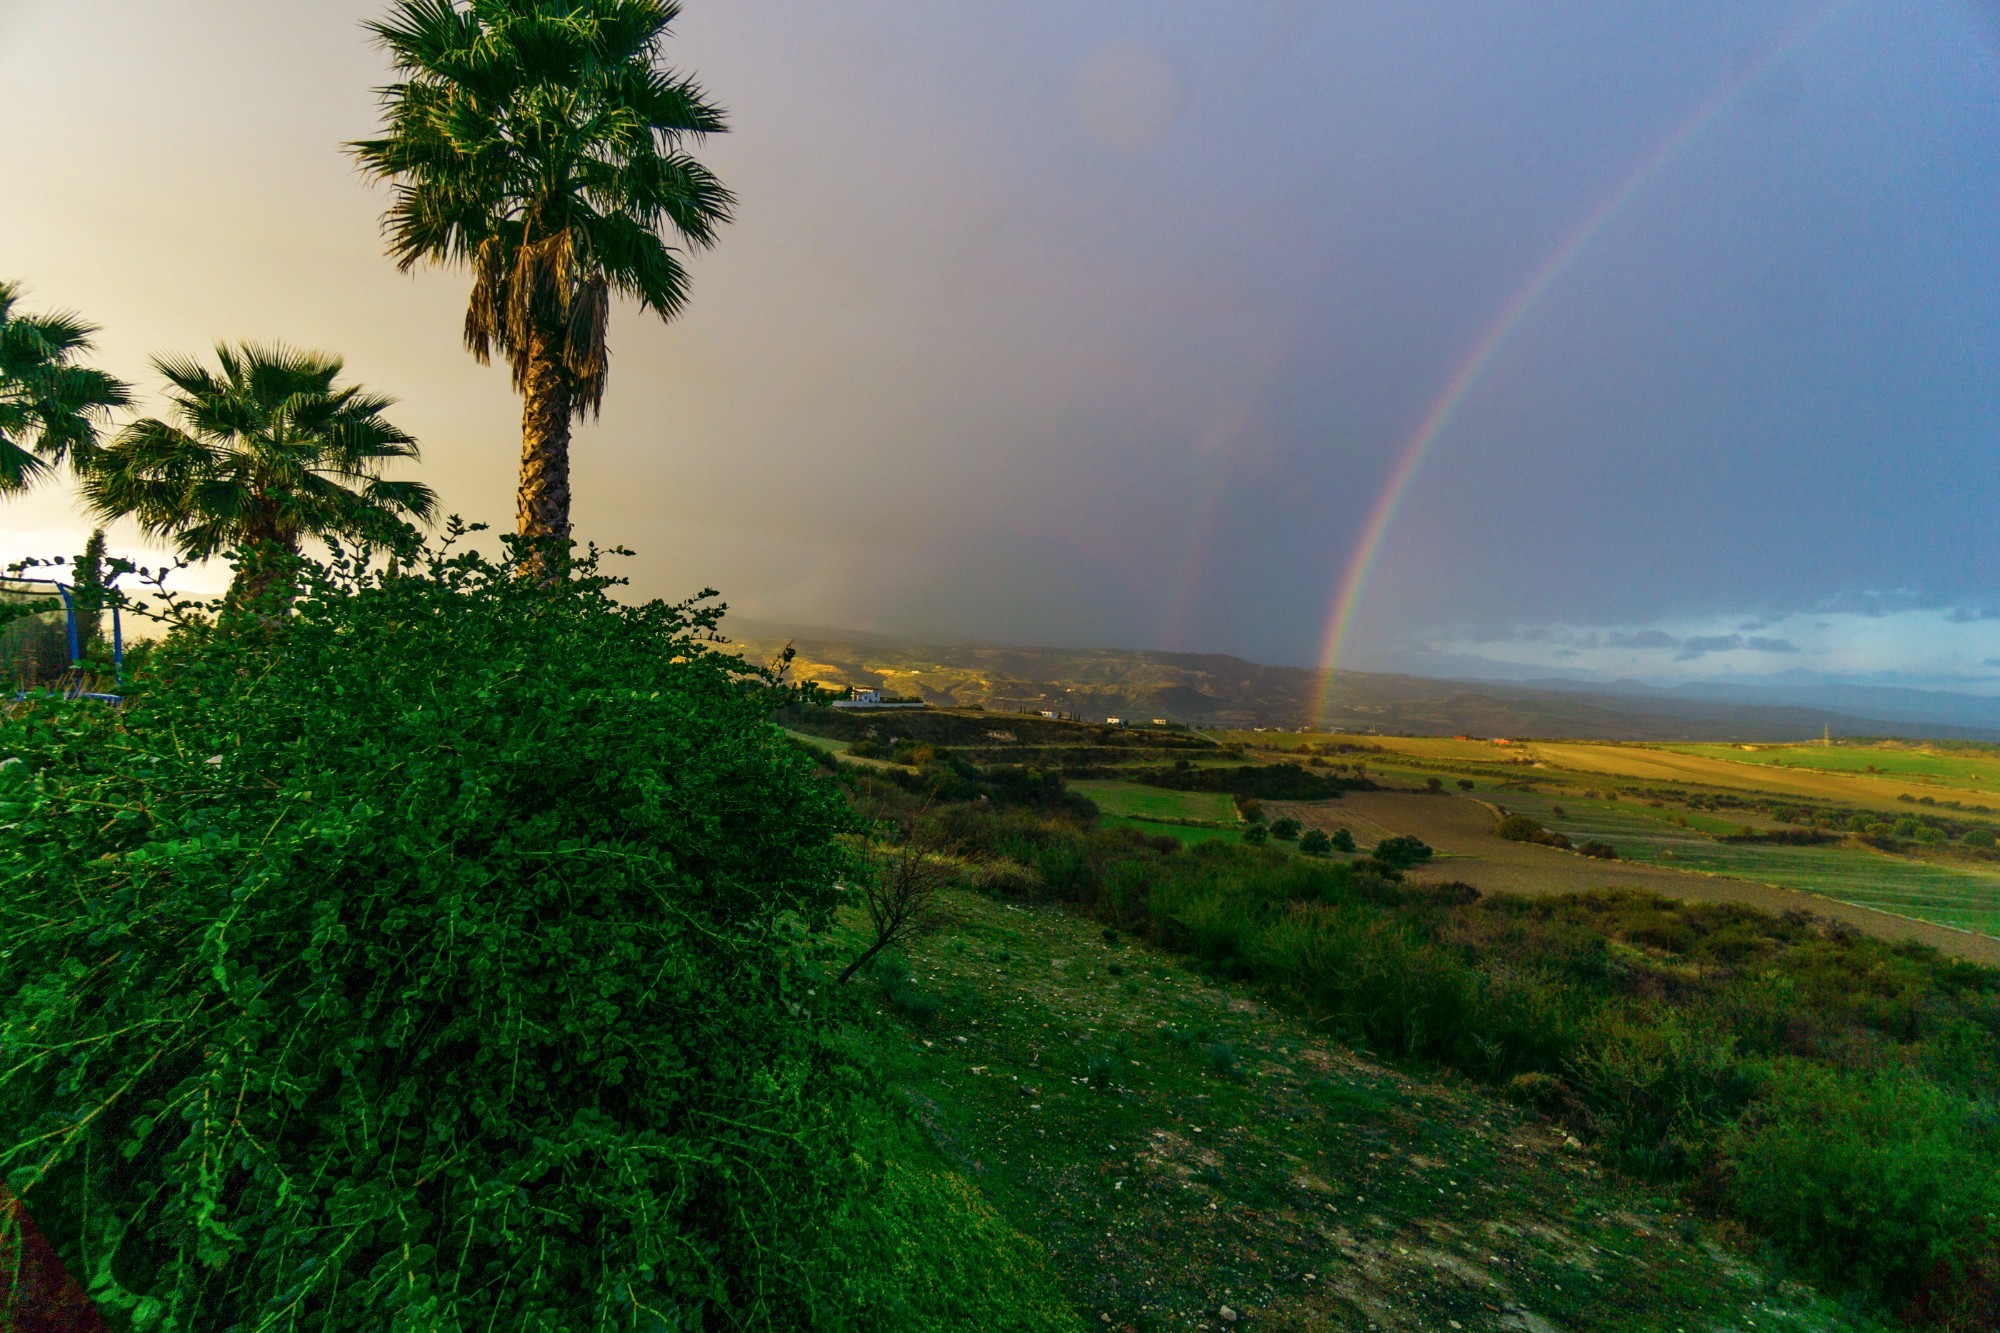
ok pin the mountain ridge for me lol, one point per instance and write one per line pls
(1222, 690)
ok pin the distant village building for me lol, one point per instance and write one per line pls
(1159, 722)
(863, 696)
(1048, 712)
(1114, 721)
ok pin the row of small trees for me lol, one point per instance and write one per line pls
(538, 144)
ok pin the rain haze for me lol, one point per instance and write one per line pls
(1521, 339)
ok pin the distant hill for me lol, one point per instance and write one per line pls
(1216, 690)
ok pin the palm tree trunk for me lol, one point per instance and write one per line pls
(543, 504)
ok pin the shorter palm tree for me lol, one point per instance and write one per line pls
(259, 457)
(50, 407)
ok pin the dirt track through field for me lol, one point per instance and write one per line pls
(1462, 829)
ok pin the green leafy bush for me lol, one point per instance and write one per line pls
(1285, 828)
(1526, 828)
(433, 957)
(1877, 1177)
(1401, 852)
(1342, 840)
(1314, 842)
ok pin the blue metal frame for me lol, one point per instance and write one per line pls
(75, 645)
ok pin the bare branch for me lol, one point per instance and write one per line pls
(900, 894)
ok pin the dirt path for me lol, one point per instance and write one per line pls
(1462, 829)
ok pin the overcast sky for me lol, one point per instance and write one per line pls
(1107, 324)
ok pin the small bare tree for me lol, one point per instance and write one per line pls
(900, 895)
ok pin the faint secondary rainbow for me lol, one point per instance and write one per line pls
(1341, 613)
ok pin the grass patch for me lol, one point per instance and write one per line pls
(1308, 1188)
(1131, 800)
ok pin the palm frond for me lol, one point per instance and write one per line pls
(539, 142)
(266, 446)
(51, 408)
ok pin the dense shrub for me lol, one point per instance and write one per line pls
(1314, 842)
(1267, 782)
(1401, 852)
(1526, 828)
(1874, 1176)
(1285, 829)
(433, 957)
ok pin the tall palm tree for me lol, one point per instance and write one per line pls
(261, 454)
(540, 143)
(50, 407)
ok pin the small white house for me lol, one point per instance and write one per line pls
(1114, 721)
(861, 697)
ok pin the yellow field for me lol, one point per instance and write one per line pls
(1648, 763)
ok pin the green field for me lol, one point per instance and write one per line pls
(1188, 833)
(826, 743)
(1965, 897)
(1133, 800)
(1974, 770)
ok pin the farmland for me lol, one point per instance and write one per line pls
(1958, 766)
(1840, 773)
(1134, 801)
(1857, 887)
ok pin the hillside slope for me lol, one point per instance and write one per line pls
(1180, 1147)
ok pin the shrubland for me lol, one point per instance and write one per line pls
(441, 950)
(1838, 1096)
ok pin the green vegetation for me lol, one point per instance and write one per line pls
(1965, 895)
(1400, 852)
(1973, 768)
(50, 406)
(441, 955)
(1523, 828)
(1135, 801)
(1739, 1056)
(1264, 782)
(1178, 1144)
(545, 148)
(446, 945)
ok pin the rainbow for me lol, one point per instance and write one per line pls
(1340, 614)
